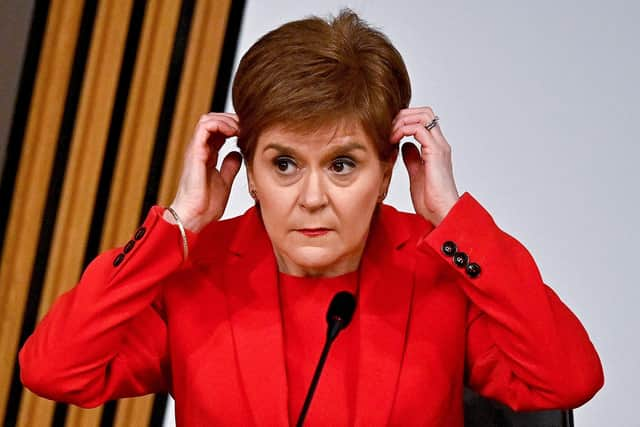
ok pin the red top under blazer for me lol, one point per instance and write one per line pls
(209, 330)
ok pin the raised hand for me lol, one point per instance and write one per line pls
(203, 190)
(433, 188)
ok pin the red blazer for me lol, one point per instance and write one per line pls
(209, 330)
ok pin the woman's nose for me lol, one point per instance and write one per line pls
(313, 194)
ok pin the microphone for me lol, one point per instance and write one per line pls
(339, 315)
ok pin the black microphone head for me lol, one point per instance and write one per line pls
(341, 309)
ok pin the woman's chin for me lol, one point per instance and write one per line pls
(315, 258)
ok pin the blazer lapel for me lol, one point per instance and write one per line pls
(254, 307)
(384, 301)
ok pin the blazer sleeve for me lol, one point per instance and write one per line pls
(106, 338)
(525, 347)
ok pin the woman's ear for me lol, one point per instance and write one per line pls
(251, 182)
(249, 174)
(388, 167)
(387, 171)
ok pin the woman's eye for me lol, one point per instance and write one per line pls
(285, 165)
(342, 166)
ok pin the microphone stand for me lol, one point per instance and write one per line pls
(338, 317)
(331, 335)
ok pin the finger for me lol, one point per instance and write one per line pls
(418, 131)
(428, 142)
(209, 129)
(217, 132)
(420, 117)
(427, 111)
(231, 116)
(225, 125)
(230, 167)
(423, 117)
(414, 119)
(209, 136)
(436, 131)
(434, 144)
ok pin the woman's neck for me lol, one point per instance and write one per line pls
(346, 265)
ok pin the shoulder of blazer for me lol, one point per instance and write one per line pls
(215, 240)
(406, 227)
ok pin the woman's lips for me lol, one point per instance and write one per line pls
(314, 232)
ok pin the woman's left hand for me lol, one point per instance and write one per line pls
(433, 189)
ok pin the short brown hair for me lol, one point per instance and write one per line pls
(309, 72)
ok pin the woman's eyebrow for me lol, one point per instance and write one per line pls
(335, 148)
(345, 148)
(279, 147)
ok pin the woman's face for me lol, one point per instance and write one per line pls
(317, 193)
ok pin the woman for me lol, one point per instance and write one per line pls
(228, 316)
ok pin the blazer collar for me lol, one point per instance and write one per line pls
(383, 308)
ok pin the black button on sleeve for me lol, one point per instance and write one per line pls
(460, 259)
(127, 248)
(140, 232)
(473, 269)
(449, 248)
(118, 260)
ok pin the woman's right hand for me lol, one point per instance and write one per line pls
(203, 191)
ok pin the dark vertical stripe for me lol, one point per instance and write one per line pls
(159, 153)
(178, 52)
(174, 75)
(223, 80)
(53, 198)
(21, 111)
(568, 418)
(108, 413)
(132, 44)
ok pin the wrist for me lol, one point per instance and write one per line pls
(166, 215)
(444, 212)
(183, 231)
(190, 223)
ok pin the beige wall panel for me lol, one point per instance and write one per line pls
(134, 411)
(74, 214)
(132, 165)
(32, 180)
(141, 122)
(198, 80)
(81, 178)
